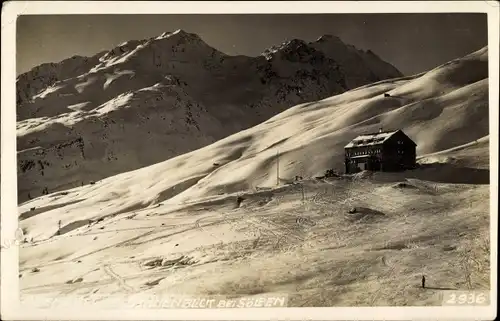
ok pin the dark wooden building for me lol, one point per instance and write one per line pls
(383, 151)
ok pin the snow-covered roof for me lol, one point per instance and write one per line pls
(371, 139)
(362, 156)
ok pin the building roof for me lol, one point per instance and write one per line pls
(371, 139)
(362, 156)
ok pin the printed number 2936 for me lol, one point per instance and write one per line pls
(466, 298)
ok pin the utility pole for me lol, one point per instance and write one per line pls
(277, 168)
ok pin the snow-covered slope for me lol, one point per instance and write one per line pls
(437, 111)
(214, 221)
(145, 101)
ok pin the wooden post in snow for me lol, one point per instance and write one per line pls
(277, 168)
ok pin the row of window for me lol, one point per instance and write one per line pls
(368, 152)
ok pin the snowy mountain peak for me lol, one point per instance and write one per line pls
(124, 47)
(182, 35)
(179, 32)
(328, 37)
(294, 43)
(286, 48)
(165, 89)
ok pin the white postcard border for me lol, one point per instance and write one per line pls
(9, 220)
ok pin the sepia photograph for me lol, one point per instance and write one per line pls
(213, 161)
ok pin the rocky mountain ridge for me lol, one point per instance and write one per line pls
(146, 101)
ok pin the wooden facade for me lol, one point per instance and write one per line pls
(383, 151)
